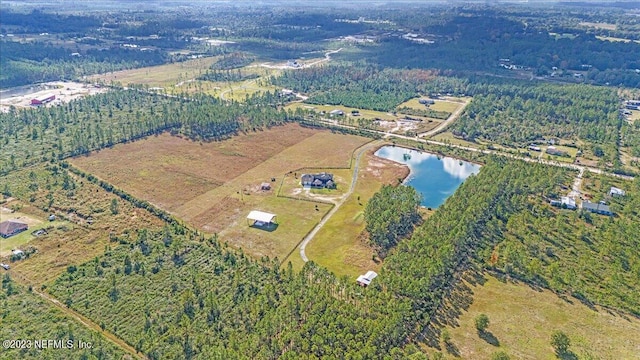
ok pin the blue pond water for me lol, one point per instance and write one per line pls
(436, 179)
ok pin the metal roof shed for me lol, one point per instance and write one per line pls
(261, 218)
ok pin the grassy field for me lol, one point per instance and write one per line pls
(339, 245)
(171, 171)
(159, 76)
(522, 320)
(635, 115)
(213, 186)
(440, 105)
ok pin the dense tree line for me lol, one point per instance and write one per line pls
(591, 257)
(476, 41)
(365, 87)
(234, 60)
(423, 268)
(516, 114)
(30, 136)
(34, 62)
(390, 215)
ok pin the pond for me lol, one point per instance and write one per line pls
(436, 178)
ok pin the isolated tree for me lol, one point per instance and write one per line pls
(114, 207)
(445, 336)
(482, 322)
(560, 342)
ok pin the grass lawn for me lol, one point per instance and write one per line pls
(440, 105)
(635, 115)
(291, 184)
(447, 136)
(522, 320)
(339, 245)
(569, 150)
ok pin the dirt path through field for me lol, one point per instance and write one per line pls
(453, 117)
(78, 317)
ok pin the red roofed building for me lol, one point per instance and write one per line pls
(42, 101)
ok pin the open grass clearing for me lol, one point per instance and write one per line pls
(160, 75)
(340, 245)
(213, 186)
(449, 104)
(295, 218)
(599, 25)
(522, 320)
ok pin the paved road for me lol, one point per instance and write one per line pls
(327, 216)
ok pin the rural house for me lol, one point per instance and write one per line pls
(597, 208)
(321, 180)
(11, 227)
(564, 202)
(336, 112)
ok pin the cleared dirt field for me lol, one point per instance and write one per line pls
(169, 171)
(213, 186)
(63, 91)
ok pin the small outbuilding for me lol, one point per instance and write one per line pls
(11, 227)
(336, 112)
(260, 218)
(265, 186)
(365, 280)
(616, 191)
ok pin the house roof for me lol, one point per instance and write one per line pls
(261, 216)
(9, 226)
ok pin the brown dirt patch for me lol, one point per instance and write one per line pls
(169, 170)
